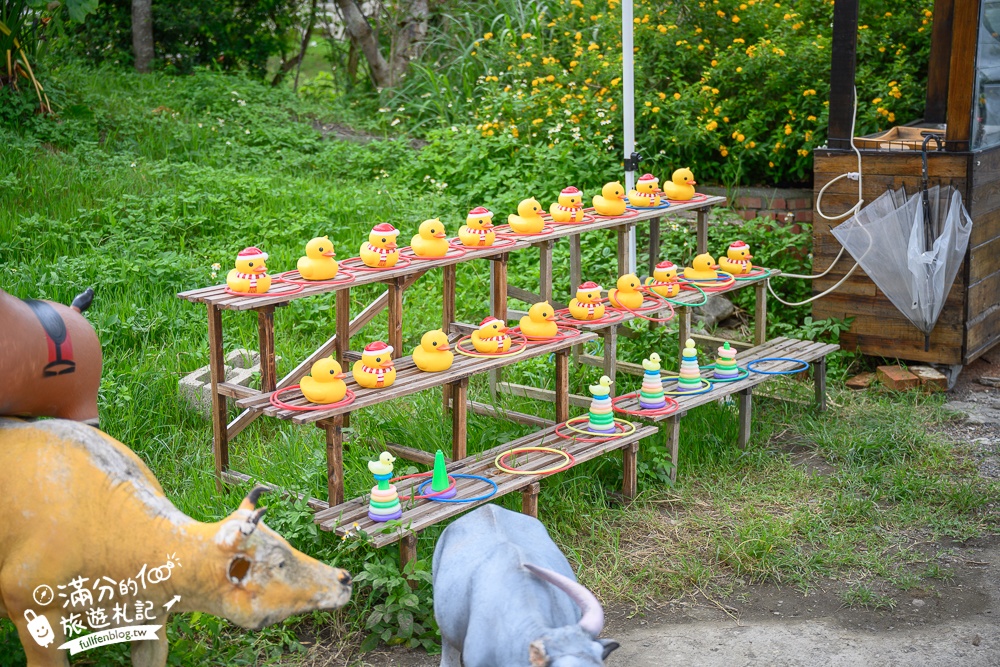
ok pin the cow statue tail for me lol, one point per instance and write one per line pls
(83, 300)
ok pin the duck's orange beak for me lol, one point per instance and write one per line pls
(260, 269)
(442, 235)
(340, 376)
(330, 254)
(502, 329)
(391, 245)
(487, 224)
(749, 256)
(692, 182)
(386, 364)
(551, 319)
(444, 348)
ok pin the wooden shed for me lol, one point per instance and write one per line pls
(963, 108)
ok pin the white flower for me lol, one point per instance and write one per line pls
(133, 165)
(395, 121)
(216, 266)
(248, 132)
(235, 93)
(401, 109)
(384, 110)
(229, 143)
(242, 103)
(221, 121)
(199, 124)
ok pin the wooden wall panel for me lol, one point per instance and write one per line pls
(983, 333)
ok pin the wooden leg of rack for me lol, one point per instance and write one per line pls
(654, 245)
(448, 284)
(623, 248)
(334, 430)
(630, 478)
(498, 306)
(575, 278)
(408, 554)
(265, 334)
(342, 308)
(746, 400)
(562, 386)
(673, 444)
(819, 378)
(217, 364)
(760, 314)
(610, 335)
(459, 421)
(683, 315)
(545, 270)
(529, 499)
(396, 317)
(703, 229)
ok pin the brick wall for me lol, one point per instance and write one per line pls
(774, 203)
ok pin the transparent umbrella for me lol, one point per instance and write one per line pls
(911, 247)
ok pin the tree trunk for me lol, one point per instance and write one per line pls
(408, 40)
(142, 34)
(353, 55)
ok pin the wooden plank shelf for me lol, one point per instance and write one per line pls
(409, 380)
(216, 295)
(418, 515)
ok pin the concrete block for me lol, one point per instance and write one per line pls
(931, 379)
(897, 378)
(195, 388)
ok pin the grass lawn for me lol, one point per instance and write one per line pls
(145, 182)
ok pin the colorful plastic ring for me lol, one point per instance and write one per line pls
(432, 494)
(342, 278)
(271, 292)
(522, 344)
(420, 490)
(670, 407)
(281, 405)
(352, 264)
(626, 428)
(452, 253)
(706, 387)
(803, 366)
(499, 461)
(499, 242)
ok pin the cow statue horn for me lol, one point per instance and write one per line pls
(592, 618)
(256, 493)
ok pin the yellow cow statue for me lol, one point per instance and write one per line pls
(89, 543)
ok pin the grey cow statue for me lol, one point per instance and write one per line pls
(505, 596)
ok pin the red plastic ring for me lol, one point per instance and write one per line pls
(278, 403)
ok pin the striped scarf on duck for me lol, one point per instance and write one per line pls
(482, 233)
(252, 277)
(378, 371)
(572, 209)
(499, 340)
(383, 253)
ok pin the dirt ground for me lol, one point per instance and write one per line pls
(954, 622)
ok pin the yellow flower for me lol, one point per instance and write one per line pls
(721, 14)
(677, 96)
(662, 96)
(881, 49)
(723, 151)
(739, 40)
(751, 144)
(812, 118)
(788, 128)
(877, 100)
(656, 109)
(740, 138)
(888, 15)
(513, 131)
(788, 17)
(488, 35)
(892, 117)
(715, 91)
(771, 165)
(526, 35)
(592, 47)
(550, 78)
(739, 69)
(712, 125)
(714, 63)
(736, 19)
(538, 121)
(803, 152)
(578, 37)
(573, 63)
(662, 28)
(807, 93)
(649, 104)
(725, 119)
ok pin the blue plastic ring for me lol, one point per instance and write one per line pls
(645, 208)
(420, 490)
(742, 375)
(804, 366)
(707, 388)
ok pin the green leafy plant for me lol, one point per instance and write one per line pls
(827, 330)
(404, 613)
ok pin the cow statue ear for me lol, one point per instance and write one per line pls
(537, 655)
(609, 646)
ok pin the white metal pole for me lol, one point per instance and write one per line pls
(628, 112)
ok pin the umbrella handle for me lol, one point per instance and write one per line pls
(928, 233)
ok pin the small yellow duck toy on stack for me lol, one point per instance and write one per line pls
(250, 275)
(381, 251)
(383, 466)
(737, 260)
(611, 201)
(627, 294)
(702, 268)
(646, 192)
(433, 355)
(587, 303)
(477, 231)
(540, 322)
(431, 239)
(528, 219)
(681, 185)
(569, 208)
(325, 382)
(664, 280)
(375, 369)
(491, 337)
(319, 262)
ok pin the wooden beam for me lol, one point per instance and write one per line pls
(236, 477)
(760, 314)
(459, 419)
(940, 62)
(396, 316)
(654, 244)
(217, 366)
(541, 394)
(819, 379)
(962, 75)
(545, 270)
(562, 386)
(265, 336)
(230, 390)
(630, 478)
(342, 310)
(408, 554)
(746, 408)
(842, 67)
(510, 415)
(673, 430)
(334, 431)
(529, 499)
(411, 454)
(702, 229)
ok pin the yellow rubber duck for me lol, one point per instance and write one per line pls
(627, 294)
(528, 219)
(611, 201)
(491, 336)
(433, 355)
(477, 231)
(325, 382)
(384, 464)
(702, 268)
(381, 250)
(587, 303)
(603, 387)
(664, 280)
(375, 369)
(737, 259)
(431, 239)
(646, 192)
(250, 275)
(569, 208)
(652, 363)
(319, 262)
(540, 322)
(681, 185)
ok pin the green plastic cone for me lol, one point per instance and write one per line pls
(440, 480)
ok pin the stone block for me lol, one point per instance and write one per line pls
(931, 379)
(897, 378)
(196, 387)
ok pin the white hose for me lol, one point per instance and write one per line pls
(853, 175)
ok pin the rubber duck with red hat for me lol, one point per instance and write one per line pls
(491, 337)
(250, 275)
(586, 305)
(737, 259)
(477, 232)
(664, 280)
(646, 193)
(375, 369)
(381, 251)
(569, 208)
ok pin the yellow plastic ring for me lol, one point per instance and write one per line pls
(547, 471)
(577, 420)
